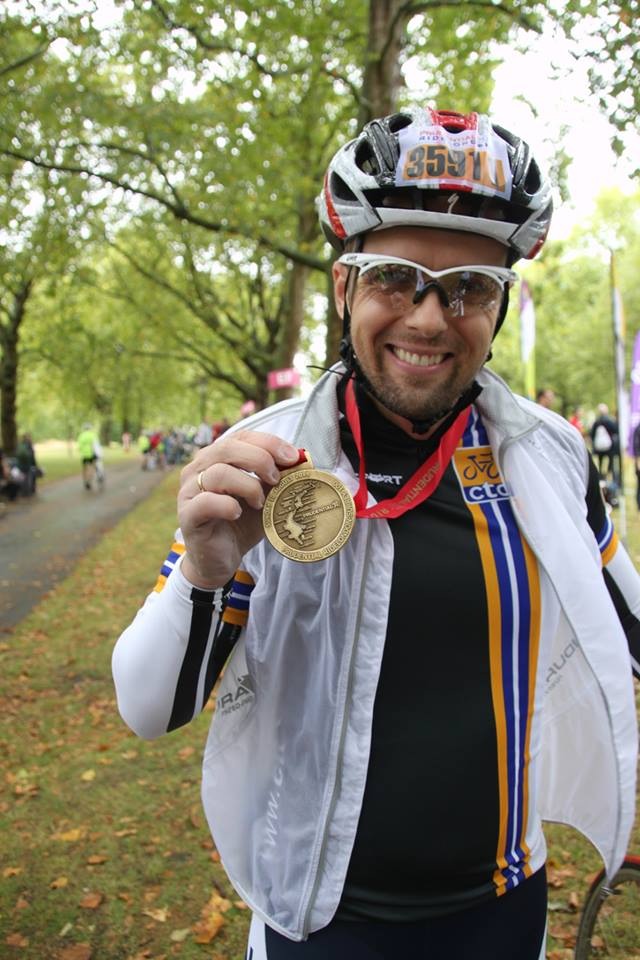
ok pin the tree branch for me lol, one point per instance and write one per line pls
(28, 58)
(179, 211)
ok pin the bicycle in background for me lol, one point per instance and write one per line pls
(610, 921)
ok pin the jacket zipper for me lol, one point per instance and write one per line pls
(340, 751)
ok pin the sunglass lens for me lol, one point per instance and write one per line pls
(474, 290)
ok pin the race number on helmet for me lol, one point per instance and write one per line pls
(430, 168)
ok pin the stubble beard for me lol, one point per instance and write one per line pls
(425, 409)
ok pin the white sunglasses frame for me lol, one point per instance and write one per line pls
(366, 261)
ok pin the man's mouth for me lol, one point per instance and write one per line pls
(418, 359)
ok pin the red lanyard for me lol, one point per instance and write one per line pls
(419, 486)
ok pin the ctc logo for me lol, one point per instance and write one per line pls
(486, 491)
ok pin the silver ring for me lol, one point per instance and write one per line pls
(201, 486)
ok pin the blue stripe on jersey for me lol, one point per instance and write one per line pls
(513, 595)
(605, 535)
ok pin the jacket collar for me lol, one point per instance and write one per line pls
(318, 429)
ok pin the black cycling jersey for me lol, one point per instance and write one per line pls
(443, 824)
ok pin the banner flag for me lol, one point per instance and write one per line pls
(528, 339)
(634, 413)
(279, 379)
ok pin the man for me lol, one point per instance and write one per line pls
(546, 398)
(26, 462)
(383, 750)
(605, 444)
(87, 441)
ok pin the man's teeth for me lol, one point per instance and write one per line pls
(419, 359)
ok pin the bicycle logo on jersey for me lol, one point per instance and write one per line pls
(481, 466)
(479, 476)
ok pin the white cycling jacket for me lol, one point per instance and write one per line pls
(286, 760)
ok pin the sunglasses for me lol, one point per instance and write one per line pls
(401, 284)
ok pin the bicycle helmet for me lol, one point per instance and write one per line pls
(453, 171)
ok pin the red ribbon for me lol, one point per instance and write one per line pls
(421, 484)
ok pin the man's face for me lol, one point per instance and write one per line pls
(418, 361)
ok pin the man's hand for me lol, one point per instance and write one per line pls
(222, 523)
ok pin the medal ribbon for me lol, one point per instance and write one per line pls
(421, 484)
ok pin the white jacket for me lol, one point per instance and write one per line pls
(286, 760)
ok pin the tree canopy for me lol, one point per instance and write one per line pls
(179, 147)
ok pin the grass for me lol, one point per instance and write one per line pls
(106, 854)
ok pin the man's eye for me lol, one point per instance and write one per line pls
(390, 275)
(476, 288)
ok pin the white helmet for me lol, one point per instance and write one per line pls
(430, 168)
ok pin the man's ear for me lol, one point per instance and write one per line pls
(340, 273)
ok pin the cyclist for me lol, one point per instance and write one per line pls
(395, 720)
(88, 448)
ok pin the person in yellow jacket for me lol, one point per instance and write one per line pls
(87, 442)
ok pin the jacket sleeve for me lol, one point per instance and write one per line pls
(165, 664)
(620, 576)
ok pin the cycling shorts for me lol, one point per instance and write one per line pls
(512, 926)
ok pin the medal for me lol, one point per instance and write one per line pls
(309, 515)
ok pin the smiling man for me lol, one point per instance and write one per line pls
(409, 577)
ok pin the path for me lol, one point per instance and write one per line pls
(42, 537)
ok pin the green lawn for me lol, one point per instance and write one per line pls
(105, 852)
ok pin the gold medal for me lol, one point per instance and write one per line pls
(309, 514)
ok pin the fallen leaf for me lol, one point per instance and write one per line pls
(208, 928)
(11, 871)
(75, 951)
(567, 937)
(240, 904)
(574, 901)
(59, 883)
(161, 914)
(96, 859)
(17, 940)
(88, 775)
(179, 935)
(70, 836)
(91, 901)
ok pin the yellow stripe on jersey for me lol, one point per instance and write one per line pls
(495, 658)
(177, 549)
(609, 551)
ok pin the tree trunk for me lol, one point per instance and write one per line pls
(383, 80)
(334, 326)
(9, 336)
(294, 314)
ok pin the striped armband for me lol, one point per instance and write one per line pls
(236, 609)
(167, 568)
(607, 542)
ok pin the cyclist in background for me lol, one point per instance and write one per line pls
(396, 719)
(87, 441)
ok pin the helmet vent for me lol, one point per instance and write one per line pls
(398, 121)
(340, 190)
(366, 159)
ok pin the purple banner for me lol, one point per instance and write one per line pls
(634, 413)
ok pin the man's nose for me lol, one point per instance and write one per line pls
(428, 312)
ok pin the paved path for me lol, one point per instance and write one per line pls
(42, 537)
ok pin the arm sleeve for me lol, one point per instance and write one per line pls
(166, 662)
(620, 576)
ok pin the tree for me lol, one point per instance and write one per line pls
(177, 105)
